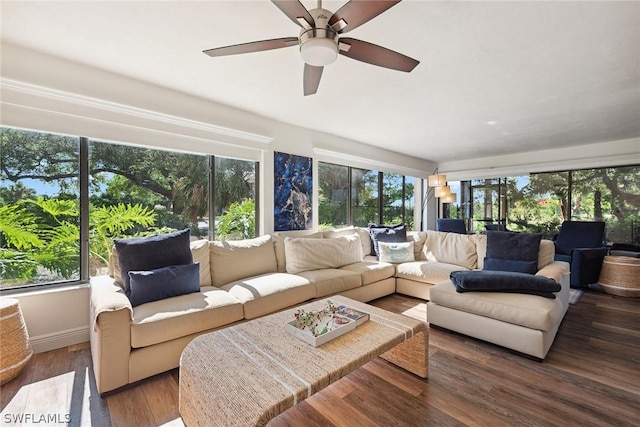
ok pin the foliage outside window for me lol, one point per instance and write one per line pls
(541, 202)
(333, 195)
(235, 195)
(132, 191)
(39, 208)
(368, 197)
(364, 197)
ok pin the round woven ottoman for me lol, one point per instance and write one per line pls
(15, 349)
(620, 275)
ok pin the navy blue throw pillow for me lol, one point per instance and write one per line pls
(151, 252)
(387, 234)
(165, 282)
(497, 264)
(516, 252)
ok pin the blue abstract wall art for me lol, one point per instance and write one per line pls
(293, 192)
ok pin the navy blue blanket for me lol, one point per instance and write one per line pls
(504, 281)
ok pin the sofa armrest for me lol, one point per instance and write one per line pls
(558, 271)
(109, 333)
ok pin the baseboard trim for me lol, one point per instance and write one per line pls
(59, 339)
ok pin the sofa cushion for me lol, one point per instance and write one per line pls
(426, 271)
(332, 280)
(418, 238)
(151, 252)
(546, 253)
(270, 292)
(176, 317)
(451, 248)
(233, 260)
(371, 271)
(517, 252)
(396, 252)
(504, 281)
(529, 311)
(165, 282)
(200, 253)
(313, 254)
(386, 233)
(365, 238)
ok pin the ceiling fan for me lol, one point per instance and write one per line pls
(320, 41)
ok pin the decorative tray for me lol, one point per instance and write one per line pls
(321, 326)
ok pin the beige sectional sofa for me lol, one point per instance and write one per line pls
(242, 280)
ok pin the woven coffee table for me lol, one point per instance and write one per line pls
(247, 374)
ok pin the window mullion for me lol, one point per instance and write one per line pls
(84, 208)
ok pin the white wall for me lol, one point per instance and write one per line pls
(50, 94)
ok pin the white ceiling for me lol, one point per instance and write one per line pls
(494, 78)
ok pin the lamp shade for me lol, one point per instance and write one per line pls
(451, 198)
(437, 181)
(442, 191)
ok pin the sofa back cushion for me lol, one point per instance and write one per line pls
(451, 248)
(418, 238)
(365, 238)
(546, 254)
(200, 253)
(305, 254)
(238, 259)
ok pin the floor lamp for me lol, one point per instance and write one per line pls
(441, 191)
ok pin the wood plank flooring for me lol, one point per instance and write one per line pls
(591, 377)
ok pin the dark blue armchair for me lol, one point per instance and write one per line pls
(581, 244)
(451, 225)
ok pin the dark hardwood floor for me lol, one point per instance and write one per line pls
(591, 377)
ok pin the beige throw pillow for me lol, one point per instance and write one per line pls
(315, 254)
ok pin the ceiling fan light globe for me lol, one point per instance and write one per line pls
(319, 51)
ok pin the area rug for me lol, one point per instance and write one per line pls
(575, 295)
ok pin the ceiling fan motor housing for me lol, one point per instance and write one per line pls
(319, 45)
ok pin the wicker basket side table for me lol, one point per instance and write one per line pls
(620, 275)
(15, 349)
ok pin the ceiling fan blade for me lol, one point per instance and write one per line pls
(253, 46)
(311, 79)
(377, 55)
(294, 10)
(358, 12)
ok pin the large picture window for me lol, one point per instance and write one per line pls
(333, 195)
(39, 208)
(352, 196)
(235, 198)
(540, 202)
(138, 191)
(128, 191)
